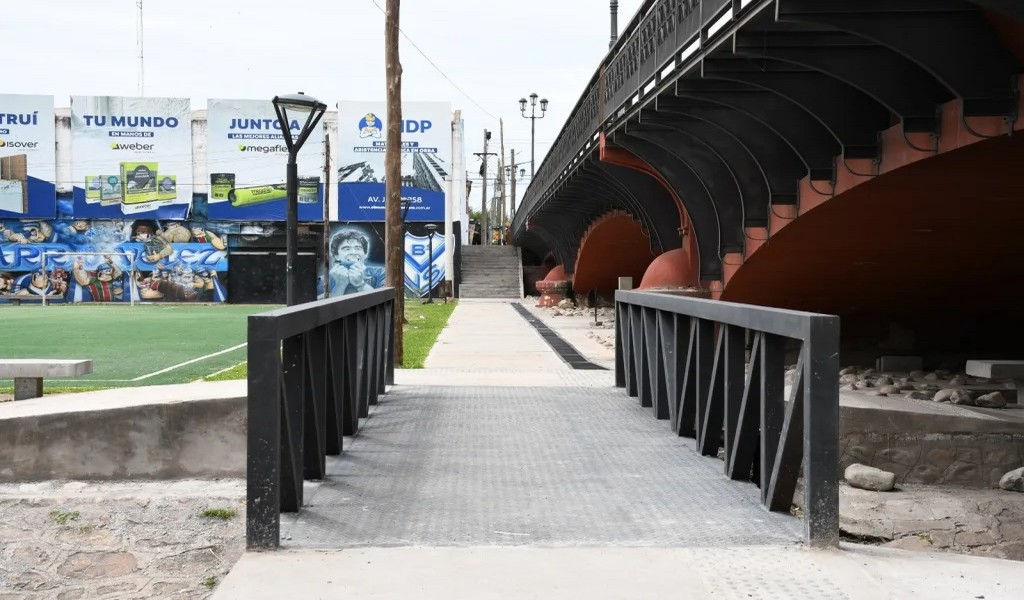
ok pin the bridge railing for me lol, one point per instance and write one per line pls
(662, 37)
(716, 371)
(314, 370)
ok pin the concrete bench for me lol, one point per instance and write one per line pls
(1000, 369)
(28, 373)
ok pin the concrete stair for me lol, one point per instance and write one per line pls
(491, 272)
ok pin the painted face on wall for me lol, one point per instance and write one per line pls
(143, 234)
(350, 251)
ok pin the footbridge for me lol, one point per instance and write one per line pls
(527, 460)
(857, 158)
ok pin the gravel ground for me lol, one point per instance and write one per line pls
(69, 540)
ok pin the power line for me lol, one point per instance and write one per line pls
(443, 74)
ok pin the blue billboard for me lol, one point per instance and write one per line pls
(247, 160)
(426, 160)
(28, 165)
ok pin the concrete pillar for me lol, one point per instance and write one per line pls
(28, 387)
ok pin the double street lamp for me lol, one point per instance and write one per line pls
(533, 121)
(291, 107)
(511, 173)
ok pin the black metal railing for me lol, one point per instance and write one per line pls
(314, 370)
(716, 371)
(663, 34)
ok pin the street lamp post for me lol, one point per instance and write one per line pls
(290, 108)
(430, 227)
(510, 171)
(533, 122)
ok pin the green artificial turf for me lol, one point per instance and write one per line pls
(147, 344)
(129, 345)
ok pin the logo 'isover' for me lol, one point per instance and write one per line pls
(263, 149)
(131, 146)
(17, 144)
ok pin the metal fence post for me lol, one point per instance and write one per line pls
(821, 434)
(263, 442)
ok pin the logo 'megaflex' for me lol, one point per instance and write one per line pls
(263, 148)
(370, 126)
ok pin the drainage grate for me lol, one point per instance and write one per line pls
(565, 351)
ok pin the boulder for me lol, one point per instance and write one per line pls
(991, 400)
(869, 478)
(943, 395)
(962, 397)
(890, 389)
(1013, 481)
(884, 380)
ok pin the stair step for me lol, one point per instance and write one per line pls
(490, 272)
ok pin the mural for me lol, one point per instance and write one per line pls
(81, 260)
(424, 261)
(356, 253)
(356, 261)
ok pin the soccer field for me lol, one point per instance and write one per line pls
(129, 345)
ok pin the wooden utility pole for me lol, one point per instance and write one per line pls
(394, 242)
(501, 178)
(512, 199)
(485, 233)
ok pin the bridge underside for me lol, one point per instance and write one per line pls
(929, 256)
(857, 158)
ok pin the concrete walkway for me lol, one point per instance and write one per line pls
(499, 472)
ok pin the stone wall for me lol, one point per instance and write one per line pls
(963, 459)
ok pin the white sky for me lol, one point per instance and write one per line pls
(496, 51)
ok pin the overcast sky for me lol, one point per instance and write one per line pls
(496, 51)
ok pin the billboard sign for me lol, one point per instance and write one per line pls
(247, 159)
(426, 159)
(28, 165)
(131, 157)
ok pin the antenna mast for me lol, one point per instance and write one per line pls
(142, 69)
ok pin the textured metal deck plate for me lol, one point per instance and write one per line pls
(515, 466)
